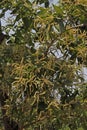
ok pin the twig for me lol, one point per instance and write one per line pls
(77, 26)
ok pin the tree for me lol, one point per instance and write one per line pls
(42, 85)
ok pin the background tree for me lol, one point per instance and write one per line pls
(42, 85)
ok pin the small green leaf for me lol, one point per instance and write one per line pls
(58, 10)
(43, 12)
(80, 128)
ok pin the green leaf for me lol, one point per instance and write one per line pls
(58, 10)
(61, 25)
(26, 22)
(43, 12)
(80, 128)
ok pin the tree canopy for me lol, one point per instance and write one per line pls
(43, 51)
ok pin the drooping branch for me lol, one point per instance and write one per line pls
(81, 26)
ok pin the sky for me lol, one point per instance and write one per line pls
(53, 1)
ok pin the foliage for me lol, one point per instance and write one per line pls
(41, 64)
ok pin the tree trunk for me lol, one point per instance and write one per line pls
(8, 123)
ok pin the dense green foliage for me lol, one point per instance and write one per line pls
(41, 64)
